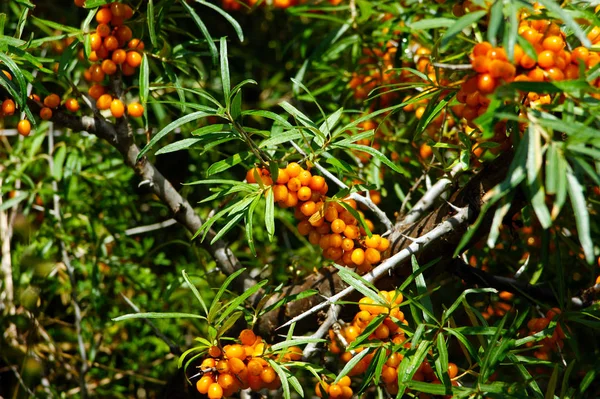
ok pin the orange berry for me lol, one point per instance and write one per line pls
(335, 391)
(123, 34)
(373, 241)
(103, 30)
(95, 41)
(553, 43)
(117, 9)
(384, 244)
(293, 169)
(382, 332)
(215, 391)
(294, 184)
(96, 90)
(358, 256)
(481, 64)
(203, 384)
(546, 59)
(452, 370)
(280, 192)
(117, 108)
(351, 232)
(109, 67)
(247, 337)
(79, 3)
(347, 245)
(338, 226)
(486, 83)
(236, 351)
(316, 183)
(135, 110)
(372, 255)
(103, 16)
(45, 113)
(580, 54)
(119, 56)
(304, 193)
(226, 381)
(527, 62)
(52, 101)
(104, 102)
(134, 59)
(268, 375)
(481, 48)
(24, 127)
(111, 43)
(305, 177)
(282, 177)
(136, 44)
(236, 365)
(555, 74)
(72, 104)
(8, 107)
(97, 73)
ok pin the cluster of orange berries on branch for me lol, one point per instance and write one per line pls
(242, 365)
(548, 344)
(113, 48)
(325, 221)
(389, 331)
(339, 390)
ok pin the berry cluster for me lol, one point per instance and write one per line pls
(549, 344)
(240, 366)
(388, 331)
(236, 5)
(339, 390)
(325, 221)
(113, 48)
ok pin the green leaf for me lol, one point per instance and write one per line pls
(431, 23)
(282, 377)
(441, 362)
(211, 44)
(227, 163)
(582, 217)
(461, 24)
(225, 70)
(195, 291)
(423, 292)
(249, 221)
(534, 167)
(551, 388)
(295, 342)
(187, 352)
(144, 80)
(270, 214)
(13, 201)
(156, 315)
(360, 284)
(172, 126)
(289, 298)
(228, 323)
(214, 306)
(151, 27)
(369, 329)
(350, 365)
(178, 146)
(19, 96)
(236, 26)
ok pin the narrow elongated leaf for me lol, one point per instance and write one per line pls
(461, 24)
(350, 365)
(359, 284)
(270, 214)
(144, 80)
(282, 377)
(379, 156)
(236, 26)
(226, 81)
(195, 291)
(211, 44)
(178, 146)
(422, 290)
(172, 126)
(214, 306)
(567, 19)
(582, 216)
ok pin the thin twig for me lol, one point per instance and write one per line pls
(332, 315)
(429, 198)
(450, 224)
(70, 270)
(150, 227)
(174, 348)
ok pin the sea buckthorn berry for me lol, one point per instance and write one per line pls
(294, 184)
(215, 391)
(527, 62)
(96, 90)
(308, 208)
(546, 59)
(136, 44)
(103, 16)
(247, 337)
(97, 73)
(119, 56)
(117, 9)
(580, 54)
(111, 43)
(254, 367)
(72, 104)
(335, 240)
(79, 3)
(123, 34)
(8, 107)
(338, 226)
(203, 384)
(555, 74)
(135, 110)
(358, 256)
(335, 391)
(305, 177)
(134, 59)
(304, 193)
(268, 375)
(452, 370)
(372, 255)
(95, 41)
(373, 241)
(291, 200)
(104, 102)
(102, 52)
(331, 213)
(553, 43)
(280, 193)
(481, 64)
(282, 176)
(45, 113)
(103, 30)
(383, 245)
(52, 101)
(486, 83)
(235, 351)
(481, 48)
(316, 183)
(109, 67)
(347, 244)
(293, 169)
(226, 381)
(236, 365)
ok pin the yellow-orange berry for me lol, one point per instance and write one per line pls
(203, 384)
(247, 337)
(304, 193)
(103, 16)
(52, 101)
(8, 107)
(24, 127)
(117, 108)
(96, 90)
(215, 391)
(372, 255)
(45, 113)
(104, 102)
(108, 67)
(135, 110)
(358, 256)
(134, 59)
(72, 104)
